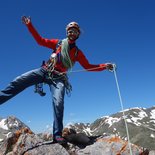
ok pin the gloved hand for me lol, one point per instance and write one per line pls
(110, 66)
(26, 20)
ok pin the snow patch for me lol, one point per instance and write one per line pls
(135, 121)
(3, 125)
(112, 120)
(8, 134)
(125, 110)
(104, 117)
(140, 115)
(15, 124)
(152, 114)
(152, 135)
(129, 120)
(153, 121)
(87, 130)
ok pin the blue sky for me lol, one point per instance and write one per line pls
(119, 31)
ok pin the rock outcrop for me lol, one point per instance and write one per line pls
(25, 142)
(17, 139)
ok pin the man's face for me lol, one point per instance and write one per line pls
(72, 34)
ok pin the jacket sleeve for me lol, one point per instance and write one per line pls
(86, 65)
(40, 40)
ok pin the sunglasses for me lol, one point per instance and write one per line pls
(73, 31)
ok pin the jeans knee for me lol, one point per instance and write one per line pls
(58, 103)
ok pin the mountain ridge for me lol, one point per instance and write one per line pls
(139, 120)
(111, 129)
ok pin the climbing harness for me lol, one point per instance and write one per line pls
(124, 116)
(53, 74)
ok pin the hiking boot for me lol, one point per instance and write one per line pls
(60, 140)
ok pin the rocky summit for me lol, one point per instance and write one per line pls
(16, 138)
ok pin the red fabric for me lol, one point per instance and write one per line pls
(51, 43)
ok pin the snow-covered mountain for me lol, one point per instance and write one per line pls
(10, 125)
(16, 139)
(140, 123)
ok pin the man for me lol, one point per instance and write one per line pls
(53, 72)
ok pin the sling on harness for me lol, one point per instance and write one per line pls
(62, 56)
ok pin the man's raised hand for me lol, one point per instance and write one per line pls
(26, 20)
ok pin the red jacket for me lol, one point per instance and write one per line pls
(51, 43)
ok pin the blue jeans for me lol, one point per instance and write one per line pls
(33, 77)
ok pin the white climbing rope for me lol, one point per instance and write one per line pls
(124, 116)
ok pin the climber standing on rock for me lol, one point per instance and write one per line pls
(53, 72)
